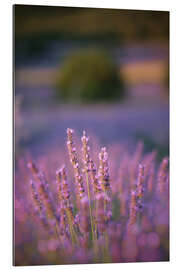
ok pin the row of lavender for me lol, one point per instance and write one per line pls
(117, 211)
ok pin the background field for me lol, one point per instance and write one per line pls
(138, 41)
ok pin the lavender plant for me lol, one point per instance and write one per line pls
(90, 214)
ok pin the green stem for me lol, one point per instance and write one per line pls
(72, 231)
(57, 233)
(96, 214)
(106, 248)
(90, 211)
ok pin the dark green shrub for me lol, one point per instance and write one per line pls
(89, 75)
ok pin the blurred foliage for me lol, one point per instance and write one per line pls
(129, 25)
(35, 46)
(36, 28)
(89, 75)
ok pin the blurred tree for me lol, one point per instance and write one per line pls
(89, 75)
(127, 25)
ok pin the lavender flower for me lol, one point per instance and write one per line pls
(121, 218)
(103, 172)
(162, 175)
(74, 160)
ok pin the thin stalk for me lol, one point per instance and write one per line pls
(96, 215)
(57, 232)
(138, 219)
(72, 231)
(104, 206)
(90, 211)
(95, 234)
(106, 248)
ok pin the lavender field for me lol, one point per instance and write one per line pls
(88, 203)
(104, 205)
(126, 123)
(91, 136)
